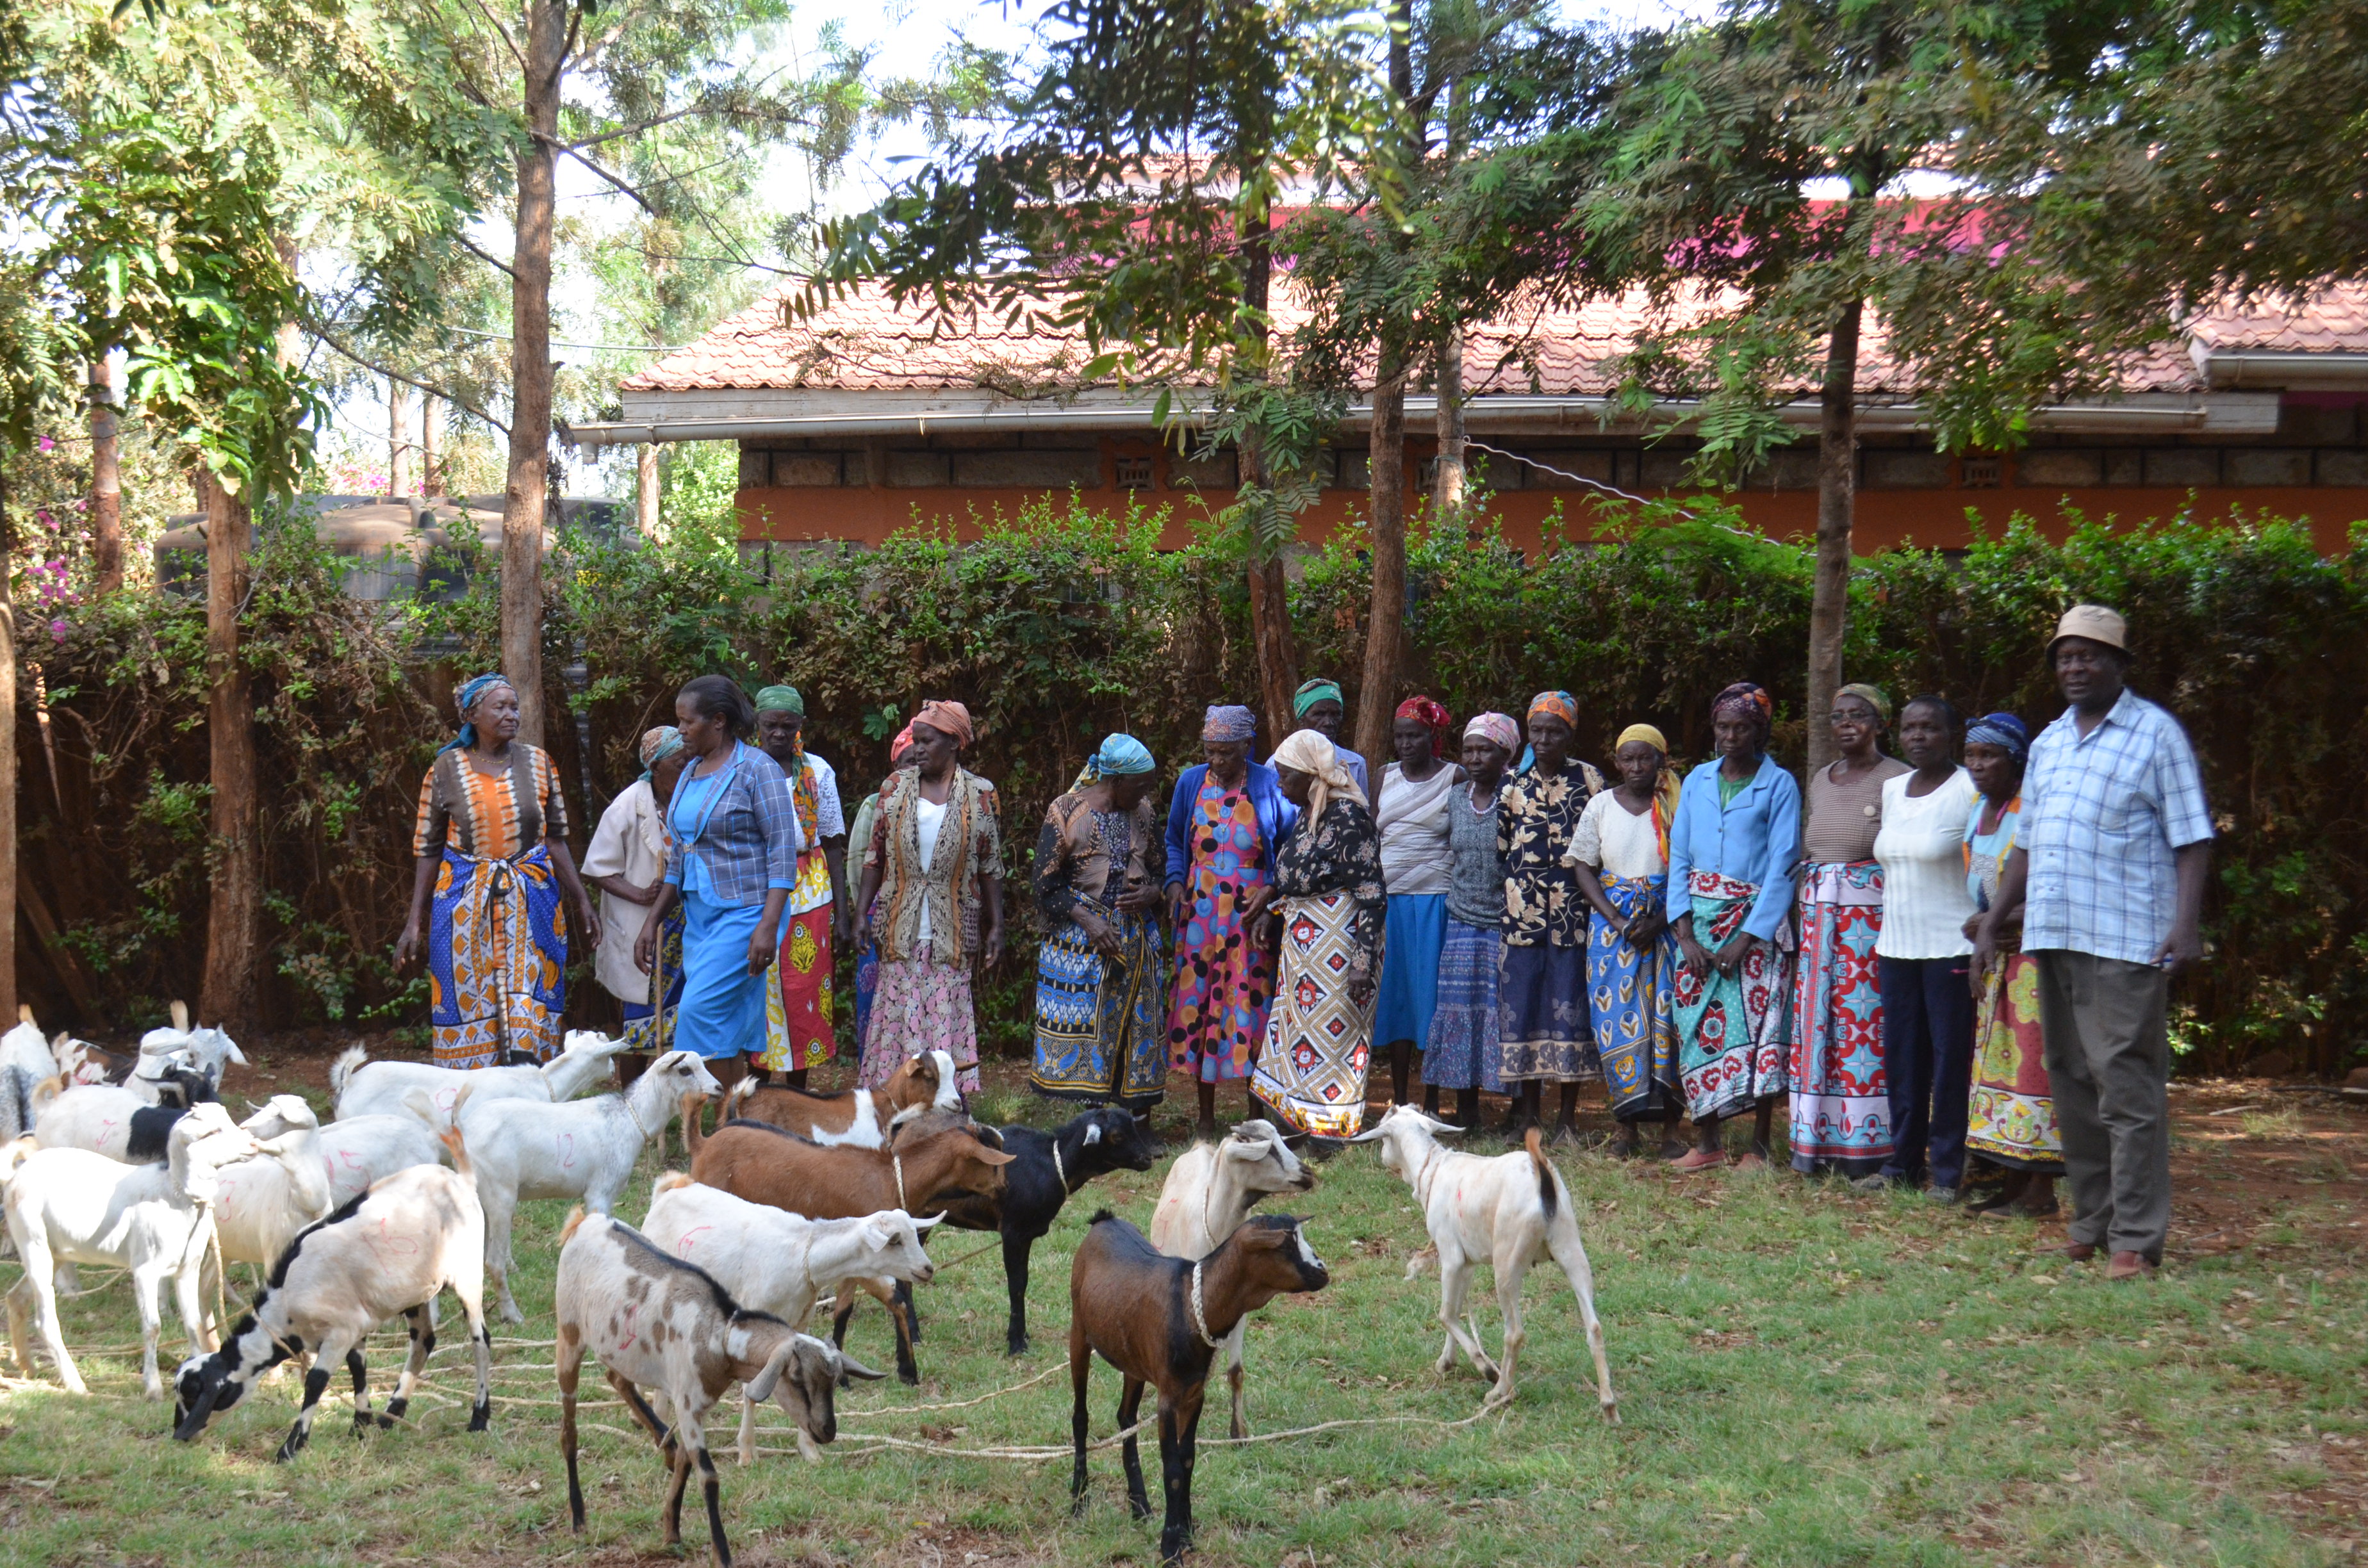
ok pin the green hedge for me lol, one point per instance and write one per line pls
(1062, 624)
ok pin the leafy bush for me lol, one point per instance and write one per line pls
(1063, 623)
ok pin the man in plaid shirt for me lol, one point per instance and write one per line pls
(2109, 870)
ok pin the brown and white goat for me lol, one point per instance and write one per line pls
(859, 1117)
(1508, 1211)
(923, 1169)
(1161, 1320)
(659, 1322)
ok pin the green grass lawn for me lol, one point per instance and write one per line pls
(1806, 1376)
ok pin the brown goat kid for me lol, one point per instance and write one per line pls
(1160, 1320)
(859, 1117)
(920, 1173)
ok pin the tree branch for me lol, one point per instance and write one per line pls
(326, 336)
(500, 32)
(487, 257)
(556, 145)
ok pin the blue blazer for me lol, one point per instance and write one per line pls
(1275, 815)
(1755, 838)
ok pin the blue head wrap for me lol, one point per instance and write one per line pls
(1118, 754)
(2001, 730)
(1227, 722)
(470, 692)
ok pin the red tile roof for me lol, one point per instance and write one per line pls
(863, 343)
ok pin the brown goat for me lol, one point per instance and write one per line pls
(860, 1117)
(1161, 1320)
(920, 1173)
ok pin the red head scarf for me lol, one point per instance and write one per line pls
(1432, 717)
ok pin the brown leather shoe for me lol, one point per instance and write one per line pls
(2130, 1266)
(2079, 1251)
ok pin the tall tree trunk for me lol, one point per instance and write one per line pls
(1277, 650)
(398, 437)
(529, 486)
(1377, 689)
(1447, 483)
(105, 486)
(1837, 487)
(431, 444)
(8, 752)
(646, 508)
(234, 909)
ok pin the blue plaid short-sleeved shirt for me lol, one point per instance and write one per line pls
(2102, 816)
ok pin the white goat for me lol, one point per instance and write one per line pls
(653, 1321)
(415, 1234)
(26, 1064)
(127, 1123)
(780, 1263)
(71, 1206)
(208, 1051)
(261, 1201)
(364, 1087)
(358, 1150)
(1506, 1211)
(584, 1148)
(1209, 1192)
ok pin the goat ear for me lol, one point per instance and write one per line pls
(995, 1156)
(761, 1388)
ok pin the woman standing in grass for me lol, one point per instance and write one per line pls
(935, 866)
(1412, 817)
(1226, 817)
(1841, 1099)
(1102, 974)
(866, 949)
(1462, 1052)
(1542, 981)
(1927, 1012)
(1732, 850)
(627, 861)
(1328, 909)
(1621, 854)
(2011, 1117)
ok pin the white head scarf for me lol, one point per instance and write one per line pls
(1311, 752)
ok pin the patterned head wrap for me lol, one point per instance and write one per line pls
(1872, 695)
(1556, 704)
(899, 746)
(1432, 717)
(1312, 692)
(1665, 788)
(2004, 730)
(656, 747)
(471, 692)
(1227, 722)
(1118, 756)
(1746, 698)
(780, 699)
(1311, 752)
(1498, 729)
(948, 718)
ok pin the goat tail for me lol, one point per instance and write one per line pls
(45, 1091)
(348, 1064)
(732, 1098)
(452, 1141)
(14, 1153)
(667, 1181)
(1548, 1198)
(694, 1111)
(575, 1222)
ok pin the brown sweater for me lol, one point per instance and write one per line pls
(1845, 816)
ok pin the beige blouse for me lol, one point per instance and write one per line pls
(1845, 815)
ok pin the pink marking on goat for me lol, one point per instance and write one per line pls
(567, 1145)
(684, 1245)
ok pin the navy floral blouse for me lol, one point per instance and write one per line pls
(1337, 852)
(1536, 813)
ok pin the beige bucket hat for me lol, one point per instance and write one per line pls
(2096, 623)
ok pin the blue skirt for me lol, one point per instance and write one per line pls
(722, 1007)
(1462, 1051)
(1411, 942)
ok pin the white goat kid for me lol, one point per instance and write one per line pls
(208, 1051)
(364, 1087)
(1209, 1192)
(261, 1201)
(655, 1322)
(416, 1232)
(1507, 1211)
(584, 1148)
(71, 1206)
(779, 1262)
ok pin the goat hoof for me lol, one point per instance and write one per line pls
(911, 1379)
(1139, 1506)
(1017, 1348)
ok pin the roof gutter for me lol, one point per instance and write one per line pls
(1592, 415)
(2284, 371)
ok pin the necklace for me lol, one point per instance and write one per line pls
(1199, 1316)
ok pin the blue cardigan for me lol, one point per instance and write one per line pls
(1275, 815)
(1755, 838)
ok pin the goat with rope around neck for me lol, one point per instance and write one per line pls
(1162, 1321)
(926, 1168)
